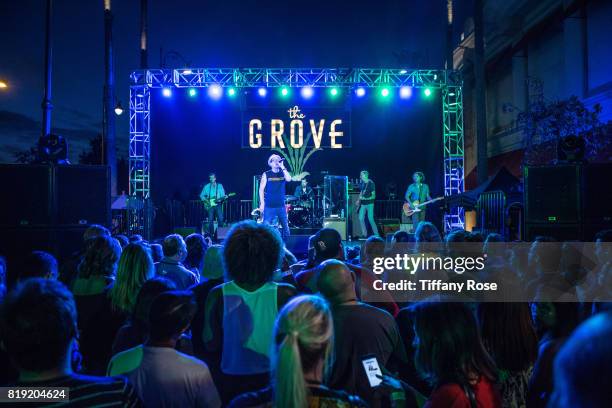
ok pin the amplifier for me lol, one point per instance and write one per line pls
(338, 224)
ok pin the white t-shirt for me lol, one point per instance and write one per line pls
(168, 378)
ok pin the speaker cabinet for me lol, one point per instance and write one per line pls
(338, 224)
(82, 195)
(552, 194)
(27, 195)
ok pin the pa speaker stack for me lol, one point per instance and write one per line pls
(568, 202)
(49, 207)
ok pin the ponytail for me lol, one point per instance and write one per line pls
(290, 386)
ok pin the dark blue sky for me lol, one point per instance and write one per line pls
(244, 33)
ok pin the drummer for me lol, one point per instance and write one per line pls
(303, 192)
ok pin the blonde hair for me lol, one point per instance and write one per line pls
(135, 267)
(304, 334)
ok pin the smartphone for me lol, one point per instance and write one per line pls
(372, 370)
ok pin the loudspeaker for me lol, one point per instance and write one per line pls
(27, 195)
(597, 197)
(82, 195)
(552, 194)
(354, 216)
(338, 224)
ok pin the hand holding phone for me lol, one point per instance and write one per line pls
(372, 370)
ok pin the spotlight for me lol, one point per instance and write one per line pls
(403, 71)
(231, 92)
(215, 91)
(284, 91)
(192, 92)
(118, 109)
(262, 92)
(427, 92)
(405, 92)
(384, 92)
(360, 92)
(167, 92)
(187, 72)
(333, 91)
(307, 92)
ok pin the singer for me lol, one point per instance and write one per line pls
(272, 194)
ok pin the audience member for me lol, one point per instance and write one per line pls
(157, 252)
(123, 240)
(38, 264)
(136, 238)
(69, 269)
(360, 330)
(240, 313)
(302, 356)
(166, 377)
(582, 367)
(39, 331)
(510, 338)
(175, 251)
(98, 322)
(196, 248)
(451, 356)
(135, 267)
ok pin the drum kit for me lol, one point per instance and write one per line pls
(305, 213)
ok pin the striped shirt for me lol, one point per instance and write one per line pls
(88, 391)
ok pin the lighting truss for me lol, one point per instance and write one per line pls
(448, 82)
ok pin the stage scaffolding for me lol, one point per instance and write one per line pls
(448, 82)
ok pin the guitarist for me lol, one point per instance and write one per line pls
(366, 202)
(213, 191)
(419, 192)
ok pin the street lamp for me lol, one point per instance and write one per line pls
(118, 109)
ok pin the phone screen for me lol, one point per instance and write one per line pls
(372, 369)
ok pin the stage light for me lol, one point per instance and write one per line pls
(167, 92)
(3, 84)
(215, 91)
(405, 92)
(307, 92)
(427, 92)
(262, 92)
(403, 71)
(118, 109)
(187, 72)
(192, 92)
(384, 92)
(333, 91)
(360, 92)
(231, 92)
(284, 91)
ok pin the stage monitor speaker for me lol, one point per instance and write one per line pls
(552, 194)
(82, 195)
(26, 198)
(597, 197)
(388, 226)
(338, 224)
(560, 232)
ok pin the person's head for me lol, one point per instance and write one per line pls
(213, 262)
(174, 247)
(448, 344)
(148, 292)
(508, 334)
(364, 175)
(252, 253)
(494, 245)
(603, 248)
(135, 267)
(274, 162)
(38, 264)
(418, 177)
(123, 240)
(196, 248)
(304, 337)
(157, 252)
(336, 282)
(95, 231)
(136, 238)
(427, 232)
(100, 258)
(170, 316)
(544, 254)
(402, 237)
(556, 319)
(304, 183)
(38, 324)
(212, 177)
(373, 247)
(581, 365)
(327, 244)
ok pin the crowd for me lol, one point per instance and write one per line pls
(182, 323)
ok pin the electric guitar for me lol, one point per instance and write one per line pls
(415, 207)
(213, 202)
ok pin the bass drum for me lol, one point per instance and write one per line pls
(298, 216)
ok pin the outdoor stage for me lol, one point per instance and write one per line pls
(186, 123)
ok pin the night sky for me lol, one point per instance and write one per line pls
(249, 33)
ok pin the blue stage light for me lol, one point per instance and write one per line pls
(215, 91)
(405, 92)
(192, 92)
(167, 92)
(231, 92)
(360, 92)
(307, 92)
(262, 92)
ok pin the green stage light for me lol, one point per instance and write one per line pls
(427, 92)
(284, 91)
(192, 92)
(333, 91)
(384, 92)
(231, 92)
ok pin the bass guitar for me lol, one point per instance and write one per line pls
(416, 206)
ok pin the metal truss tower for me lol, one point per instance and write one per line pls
(142, 81)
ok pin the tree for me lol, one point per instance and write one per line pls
(94, 155)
